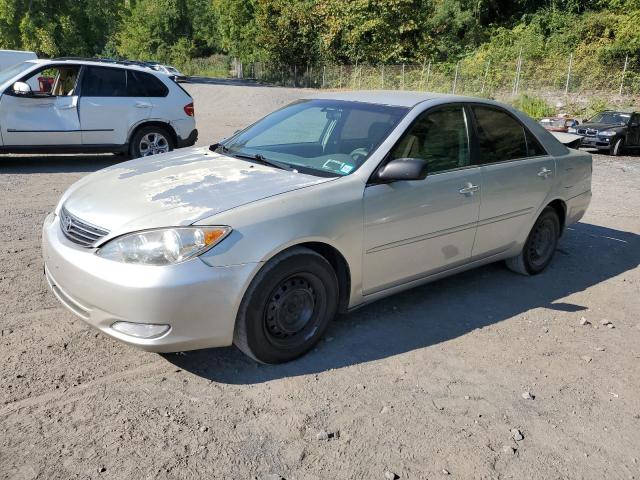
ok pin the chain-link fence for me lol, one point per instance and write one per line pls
(569, 77)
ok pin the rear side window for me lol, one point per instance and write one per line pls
(119, 82)
(142, 84)
(502, 137)
(104, 82)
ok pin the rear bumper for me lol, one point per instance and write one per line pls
(189, 141)
(577, 207)
(197, 301)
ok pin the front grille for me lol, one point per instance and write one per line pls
(79, 231)
(589, 132)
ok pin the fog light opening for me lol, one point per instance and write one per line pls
(141, 330)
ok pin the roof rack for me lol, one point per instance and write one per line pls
(106, 60)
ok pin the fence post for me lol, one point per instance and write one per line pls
(359, 73)
(455, 79)
(323, 75)
(426, 82)
(421, 75)
(566, 85)
(402, 77)
(484, 79)
(340, 80)
(382, 77)
(624, 72)
(516, 84)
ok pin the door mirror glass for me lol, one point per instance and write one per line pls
(22, 89)
(403, 169)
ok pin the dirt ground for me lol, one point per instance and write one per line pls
(425, 384)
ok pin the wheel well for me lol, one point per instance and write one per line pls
(561, 209)
(166, 126)
(340, 266)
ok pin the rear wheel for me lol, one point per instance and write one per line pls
(287, 307)
(540, 246)
(151, 140)
(616, 148)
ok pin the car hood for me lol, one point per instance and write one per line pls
(600, 126)
(174, 189)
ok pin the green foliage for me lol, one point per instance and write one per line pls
(534, 107)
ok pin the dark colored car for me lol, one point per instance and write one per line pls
(611, 131)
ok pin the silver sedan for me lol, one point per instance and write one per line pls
(320, 207)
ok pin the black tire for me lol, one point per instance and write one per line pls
(540, 246)
(616, 148)
(165, 144)
(287, 307)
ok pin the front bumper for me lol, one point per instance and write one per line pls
(199, 302)
(601, 143)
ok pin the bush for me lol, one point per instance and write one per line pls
(533, 106)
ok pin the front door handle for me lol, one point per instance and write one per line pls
(545, 172)
(143, 105)
(469, 189)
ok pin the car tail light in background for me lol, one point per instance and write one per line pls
(188, 109)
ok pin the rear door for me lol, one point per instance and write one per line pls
(49, 116)
(517, 176)
(111, 103)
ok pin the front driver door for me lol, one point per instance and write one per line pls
(49, 116)
(415, 228)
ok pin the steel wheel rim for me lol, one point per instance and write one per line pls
(292, 311)
(541, 243)
(153, 143)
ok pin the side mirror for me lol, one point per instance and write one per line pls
(402, 169)
(22, 89)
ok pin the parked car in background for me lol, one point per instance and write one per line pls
(559, 124)
(320, 207)
(170, 71)
(64, 105)
(611, 131)
(9, 58)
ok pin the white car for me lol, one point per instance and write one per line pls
(171, 72)
(75, 105)
(9, 58)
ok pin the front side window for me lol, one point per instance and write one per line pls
(54, 81)
(104, 82)
(440, 137)
(318, 136)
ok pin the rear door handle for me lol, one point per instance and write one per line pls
(143, 105)
(469, 189)
(545, 172)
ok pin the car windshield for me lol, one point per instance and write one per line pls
(612, 117)
(320, 137)
(10, 72)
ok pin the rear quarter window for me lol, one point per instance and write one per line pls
(140, 84)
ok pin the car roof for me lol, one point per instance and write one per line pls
(382, 97)
(93, 62)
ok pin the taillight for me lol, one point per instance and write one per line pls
(188, 109)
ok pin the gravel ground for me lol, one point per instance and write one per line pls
(425, 384)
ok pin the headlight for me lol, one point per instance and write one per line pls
(163, 246)
(572, 130)
(607, 133)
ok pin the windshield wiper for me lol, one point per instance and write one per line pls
(217, 146)
(261, 159)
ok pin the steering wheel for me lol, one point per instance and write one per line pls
(359, 154)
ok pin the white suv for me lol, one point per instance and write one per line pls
(75, 105)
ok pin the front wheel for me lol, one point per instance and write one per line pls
(540, 246)
(150, 140)
(287, 307)
(616, 148)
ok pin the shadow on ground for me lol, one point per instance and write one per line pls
(24, 164)
(440, 311)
